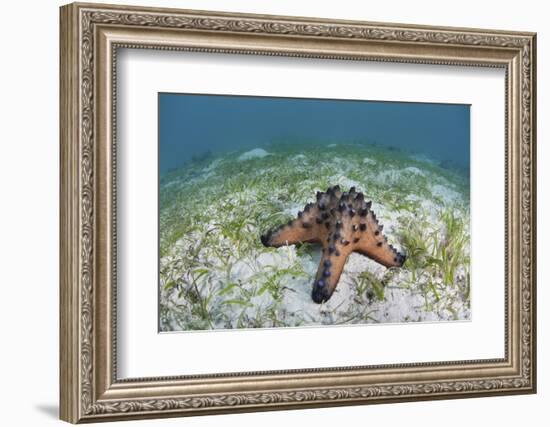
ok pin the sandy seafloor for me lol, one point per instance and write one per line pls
(216, 274)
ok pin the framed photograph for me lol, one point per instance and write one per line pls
(266, 212)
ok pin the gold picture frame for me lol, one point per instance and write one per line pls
(90, 36)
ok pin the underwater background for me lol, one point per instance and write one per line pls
(234, 167)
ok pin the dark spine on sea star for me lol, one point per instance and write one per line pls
(342, 223)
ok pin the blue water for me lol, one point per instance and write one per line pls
(195, 126)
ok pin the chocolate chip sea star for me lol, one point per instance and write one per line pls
(342, 222)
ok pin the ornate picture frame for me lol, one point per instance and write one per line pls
(90, 37)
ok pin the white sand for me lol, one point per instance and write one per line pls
(256, 153)
(404, 301)
(369, 162)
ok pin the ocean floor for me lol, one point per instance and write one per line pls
(216, 274)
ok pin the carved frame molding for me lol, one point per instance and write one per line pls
(90, 36)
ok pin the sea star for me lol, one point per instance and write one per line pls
(342, 222)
